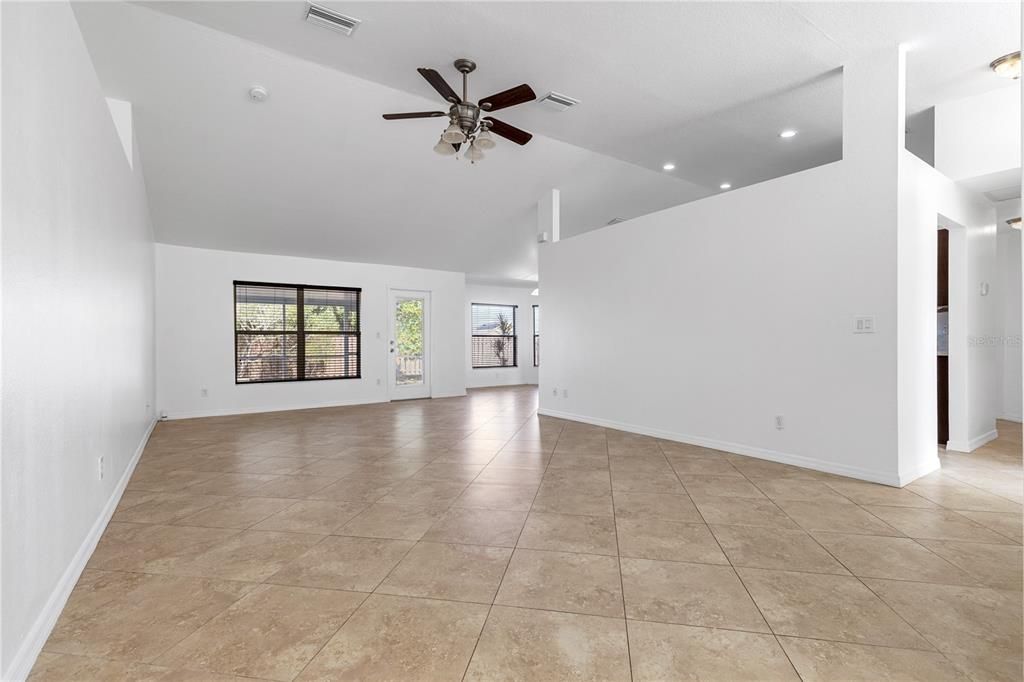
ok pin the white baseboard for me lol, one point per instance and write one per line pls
(1011, 418)
(231, 411)
(974, 443)
(458, 394)
(28, 652)
(911, 475)
(886, 478)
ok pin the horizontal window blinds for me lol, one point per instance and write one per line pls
(287, 332)
(493, 339)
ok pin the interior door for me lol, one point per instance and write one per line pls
(409, 344)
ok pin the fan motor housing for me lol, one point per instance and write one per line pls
(467, 115)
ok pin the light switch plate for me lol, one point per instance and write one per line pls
(864, 325)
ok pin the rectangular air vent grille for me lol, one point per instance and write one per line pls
(558, 101)
(616, 221)
(321, 16)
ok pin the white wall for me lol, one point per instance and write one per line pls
(525, 373)
(704, 321)
(738, 308)
(979, 135)
(928, 199)
(195, 330)
(78, 319)
(1009, 284)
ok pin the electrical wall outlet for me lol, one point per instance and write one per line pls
(565, 393)
(99, 467)
(554, 392)
(204, 393)
(779, 422)
(378, 382)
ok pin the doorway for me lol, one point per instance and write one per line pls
(942, 337)
(409, 344)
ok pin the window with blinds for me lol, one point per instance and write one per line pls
(536, 336)
(493, 340)
(291, 332)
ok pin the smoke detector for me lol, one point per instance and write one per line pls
(328, 18)
(558, 102)
(258, 93)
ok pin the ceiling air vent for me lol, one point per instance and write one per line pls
(558, 102)
(321, 16)
(616, 221)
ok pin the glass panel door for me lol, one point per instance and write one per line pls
(408, 344)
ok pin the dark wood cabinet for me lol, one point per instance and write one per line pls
(943, 395)
(943, 269)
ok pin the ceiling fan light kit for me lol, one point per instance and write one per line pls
(466, 124)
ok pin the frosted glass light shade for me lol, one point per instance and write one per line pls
(454, 134)
(484, 140)
(443, 148)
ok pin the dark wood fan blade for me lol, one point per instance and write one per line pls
(414, 114)
(508, 132)
(508, 98)
(439, 84)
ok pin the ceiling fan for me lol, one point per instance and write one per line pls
(465, 121)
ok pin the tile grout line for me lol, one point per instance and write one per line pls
(618, 561)
(746, 589)
(490, 608)
(861, 581)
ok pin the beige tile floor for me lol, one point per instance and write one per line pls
(469, 538)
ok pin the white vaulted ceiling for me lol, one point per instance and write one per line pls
(315, 171)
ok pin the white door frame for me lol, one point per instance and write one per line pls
(423, 390)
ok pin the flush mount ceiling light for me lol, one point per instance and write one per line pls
(1007, 66)
(786, 134)
(1014, 223)
(725, 185)
(668, 166)
(465, 123)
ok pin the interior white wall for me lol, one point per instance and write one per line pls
(78, 319)
(195, 330)
(928, 199)
(525, 373)
(704, 321)
(980, 135)
(1009, 283)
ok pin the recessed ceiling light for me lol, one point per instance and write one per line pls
(725, 185)
(1007, 66)
(787, 133)
(669, 166)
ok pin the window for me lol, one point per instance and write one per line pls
(494, 335)
(536, 336)
(292, 332)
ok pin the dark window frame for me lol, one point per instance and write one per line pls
(536, 337)
(300, 330)
(514, 336)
